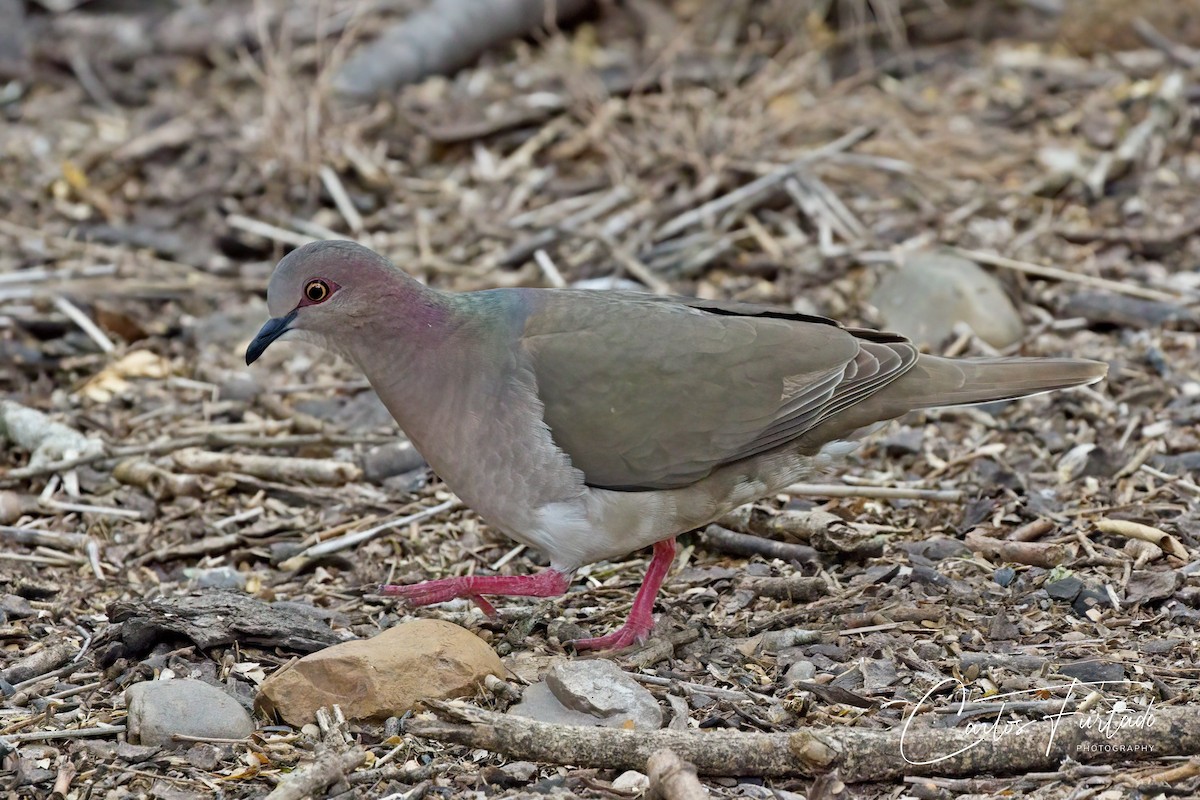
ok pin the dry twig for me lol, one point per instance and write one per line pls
(857, 754)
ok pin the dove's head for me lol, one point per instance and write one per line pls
(336, 293)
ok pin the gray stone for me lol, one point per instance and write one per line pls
(15, 607)
(137, 753)
(930, 292)
(800, 672)
(1002, 629)
(1089, 599)
(1097, 672)
(878, 674)
(204, 756)
(1067, 588)
(590, 693)
(931, 551)
(388, 460)
(905, 441)
(1148, 586)
(522, 771)
(157, 710)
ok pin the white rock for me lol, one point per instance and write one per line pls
(631, 781)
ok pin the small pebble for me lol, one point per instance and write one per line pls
(203, 756)
(631, 781)
(1066, 589)
(216, 578)
(801, 671)
(388, 460)
(522, 771)
(15, 607)
(1004, 576)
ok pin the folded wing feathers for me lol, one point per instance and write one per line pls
(875, 365)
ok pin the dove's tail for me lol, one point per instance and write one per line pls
(935, 381)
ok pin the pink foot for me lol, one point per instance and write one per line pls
(640, 622)
(548, 583)
(628, 634)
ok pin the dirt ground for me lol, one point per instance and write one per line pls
(155, 167)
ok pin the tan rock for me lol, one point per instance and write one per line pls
(384, 676)
(931, 291)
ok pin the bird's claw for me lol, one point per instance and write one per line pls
(631, 633)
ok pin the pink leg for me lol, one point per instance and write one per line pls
(547, 583)
(640, 621)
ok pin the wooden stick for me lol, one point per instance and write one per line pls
(871, 492)
(267, 230)
(1057, 274)
(351, 539)
(73, 733)
(35, 537)
(743, 544)
(858, 754)
(333, 184)
(76, 315)
(311, 780)
(758, 186)
(1035, 554)
(271, 468)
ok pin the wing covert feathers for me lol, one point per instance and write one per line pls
(647, 393)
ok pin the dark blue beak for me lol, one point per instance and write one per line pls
(275, 327)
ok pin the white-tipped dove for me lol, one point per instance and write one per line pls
(589, 424)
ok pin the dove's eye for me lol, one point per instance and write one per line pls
(317, 291)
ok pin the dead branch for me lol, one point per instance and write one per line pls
(872, 492)
(311, 780)
(283, 469)
(1035, 554)
(39, 663)
(1057, 274)
(442, 38)
(743, 544)
(793, 588)
(39, 538)
(45, 439)
(156, 481)
(211, 619)
(794, 525)
(857, 754)
(759, 186)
